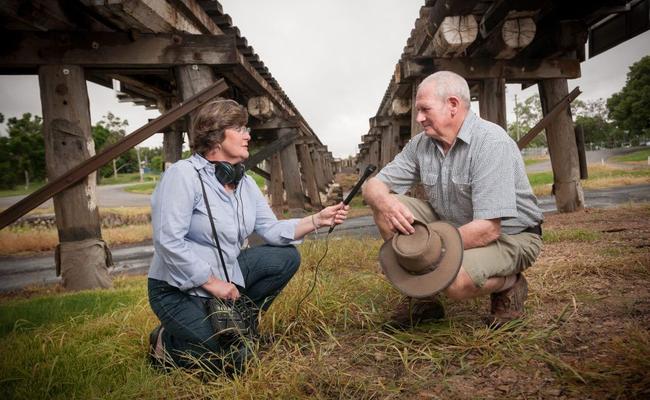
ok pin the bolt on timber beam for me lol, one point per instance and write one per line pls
(95, 162)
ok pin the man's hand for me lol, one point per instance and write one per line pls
(396, 215)
(480, 232)
(390, 215)
(221, 289)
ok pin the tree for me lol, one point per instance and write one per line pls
(106, 132)
(22, 153)
(591, 115)
(527, 115)
(630, 108)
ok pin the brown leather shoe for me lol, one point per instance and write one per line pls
(410, 312)
(508, 305)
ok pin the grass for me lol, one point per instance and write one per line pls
(20, 190)
(535, 160)
(599, 177)
(587, 334)
(573, 235)
(131, 177)
(14, 241)
(637, 156)
(142, 188)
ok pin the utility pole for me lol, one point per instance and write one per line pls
(137, 150)
(516, 118)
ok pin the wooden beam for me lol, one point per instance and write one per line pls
(543, 123)
(140, 87)
(555, 39)
(291, 173)
(492, 101)
(277, 189)
(309, 174)
(276, 123)
(82, 170)
(261, 107)
(191, 80)
(68, 142)
(271, 149)
(513, 35)
(193, 11)
(562, 147)
(47, 16)
(30, 50)
(455, 34)
(431, 18)
(259, 171)
(487, 68)
(148, 15)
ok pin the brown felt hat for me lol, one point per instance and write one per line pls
(425, 262)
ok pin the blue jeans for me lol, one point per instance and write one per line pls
(188, 336)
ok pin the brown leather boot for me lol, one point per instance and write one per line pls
(410, 312)
(508, 305)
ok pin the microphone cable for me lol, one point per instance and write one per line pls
(316, 268)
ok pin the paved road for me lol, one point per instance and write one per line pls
(107, 196)
(593, 157)
(16, 273)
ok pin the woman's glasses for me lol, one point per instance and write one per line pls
(242, 130)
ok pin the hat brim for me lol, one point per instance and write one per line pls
(430, 283)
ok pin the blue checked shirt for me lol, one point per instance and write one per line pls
(481, 177)
(184, 250)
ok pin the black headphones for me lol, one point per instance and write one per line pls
(228, 173)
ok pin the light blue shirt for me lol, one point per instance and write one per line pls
(185, 253)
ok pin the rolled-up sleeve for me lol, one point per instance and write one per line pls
(278, 233)
(493, 183)
(403, 172)
(172, 207)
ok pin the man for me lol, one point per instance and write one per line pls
(474, 178)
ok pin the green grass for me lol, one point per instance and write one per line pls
(24, 315)
(595, 173)
(357, 202)
(641, 155)
(142, 188)
(92, 344)
(129, 178)
(259, 180)
(531, 161)
(20, 190)
(570, 235)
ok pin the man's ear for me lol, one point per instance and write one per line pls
(454, 104)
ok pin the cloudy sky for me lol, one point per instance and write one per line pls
(334, 60)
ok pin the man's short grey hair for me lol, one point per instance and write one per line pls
(448, 84)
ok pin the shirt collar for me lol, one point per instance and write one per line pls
(198, 162)
(465, 133)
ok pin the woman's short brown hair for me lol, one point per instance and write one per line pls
(213, 119)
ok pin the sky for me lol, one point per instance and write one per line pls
(334, 59)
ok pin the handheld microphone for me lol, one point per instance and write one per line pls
(369, 170)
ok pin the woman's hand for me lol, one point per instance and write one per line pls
(332, 215)
(221, 289)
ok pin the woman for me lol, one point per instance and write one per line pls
(186, 270)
